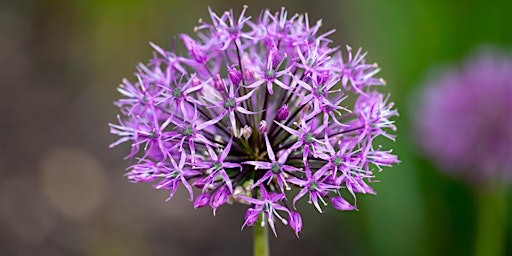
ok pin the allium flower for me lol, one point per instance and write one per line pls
(465, 119)
(253, 110)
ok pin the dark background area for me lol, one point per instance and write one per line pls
(62, 191)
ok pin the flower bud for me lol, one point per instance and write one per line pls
(219, 198)
(234, 75)
(283, 112)
(359, 186)
(218, 83)
(307, 108)
(196, 81)
(341, 204)
(202, 200)
(199, 183)
(248, 70)
(295, 222)
(246, 131)
(209, 93)
(273, 55)
(251, 216)
(262, 127)
(154, 152)
(323, 77)
(194, 49)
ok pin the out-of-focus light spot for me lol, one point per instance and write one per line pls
(23, 210)
(74, 182)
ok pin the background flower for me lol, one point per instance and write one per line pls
(464, 120)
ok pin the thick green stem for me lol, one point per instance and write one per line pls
(260, 238)
(492, 222)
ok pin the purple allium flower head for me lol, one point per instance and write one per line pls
(191, 119)
(465, 120)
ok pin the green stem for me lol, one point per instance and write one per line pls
(260, 238)
(492, 221)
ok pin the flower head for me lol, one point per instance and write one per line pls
(465, 120)
(253, 109)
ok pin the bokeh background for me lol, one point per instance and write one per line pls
(62, 191)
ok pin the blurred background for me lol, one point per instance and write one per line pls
(62, 191)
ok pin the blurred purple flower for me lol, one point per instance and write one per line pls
(191, 120)
(465, 118)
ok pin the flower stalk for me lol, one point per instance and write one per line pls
(461, 127)
(260, 232)
(491, 229)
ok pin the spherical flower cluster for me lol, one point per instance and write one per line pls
(465, 118)
(251, 111)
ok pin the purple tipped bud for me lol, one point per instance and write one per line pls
(219, 198)
(196, 81)
(154, 152)
(202, 200)
(262, 127)
(249, 75)
(341, 204)
(295, 222)
(274, 55)
(251, 216)
(307, 108)
(218, 83)
(248, 70)
(194, 49)
(246, 132)
(283, 112)
(199, 182)
(234, 75)
(209, 92)
(359, 186)
(323, 77)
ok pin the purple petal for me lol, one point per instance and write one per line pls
(225, 152)
(250, 200)
(212, 153)
(245, 111)
(245, 97)
(189, 188)
(269, 149)
(299, 196)
(211, 122)
(288, 129)
(231, 165)
(227, 180)
(259, 164)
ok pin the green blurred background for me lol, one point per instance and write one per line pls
(62, 191)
